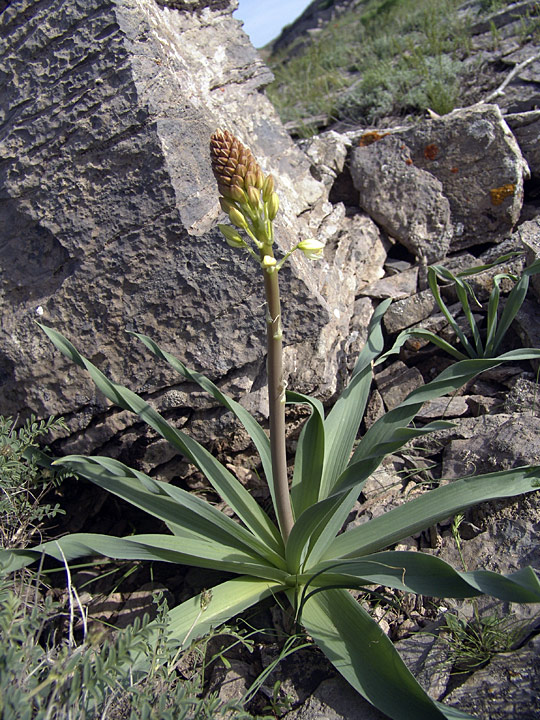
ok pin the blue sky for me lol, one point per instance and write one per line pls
(263, 19)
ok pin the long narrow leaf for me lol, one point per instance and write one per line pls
(514, 302)
(450, 380)
(341, 425)
(224, 482)
(198, 615)
(187, 550)
(430, 508)
(389, 432)
(358, 648)
(254, 430)
(425, 574)
(308, 462)
(463, 291)
(439, 270)
(313, 532)
(436, 340)
(492, 319)
(169, 503)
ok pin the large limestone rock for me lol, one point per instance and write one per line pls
(406, 201)
(476, 158)
(109, 207)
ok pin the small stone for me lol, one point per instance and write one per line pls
(445, 407)
(481, 405)
(396, 382)
(374, 409)
(408, 312)
(396, 287)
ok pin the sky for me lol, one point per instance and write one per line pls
(264, 19)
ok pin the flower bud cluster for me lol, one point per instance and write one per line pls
(250, 201)
(247, 196)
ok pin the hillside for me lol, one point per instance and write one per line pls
(375, 62)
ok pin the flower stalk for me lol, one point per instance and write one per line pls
(276, 401)
(249, 200)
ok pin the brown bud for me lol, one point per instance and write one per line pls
(227, 153)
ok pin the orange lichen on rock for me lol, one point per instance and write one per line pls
(408, 161)
(501, 193)
(368, 138)
(431, 151)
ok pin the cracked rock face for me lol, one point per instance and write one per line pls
(109, 206)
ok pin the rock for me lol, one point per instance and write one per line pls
(426, 657)
(110, 207)
(335, 699)
(505, 688)
(523, 397)
(396, 287)
(374, 409)
(515, 443)
(358, 329)
(444, 407)
(477, 160)
(356, 251)
(481, 405)
(327, 153)
(527, 325)
(408, 312)
(529, 237)
(527, 135)
(384, 174)
(231, 682)
(396, 381)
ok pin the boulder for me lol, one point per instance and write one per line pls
(109, 208)
(476, 158)
(407, 202)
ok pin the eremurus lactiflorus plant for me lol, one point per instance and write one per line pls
(305, 555)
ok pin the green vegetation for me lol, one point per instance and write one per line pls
(387, 57)
(391, 57)
(44, 677)
(476, 344)
(23, 484)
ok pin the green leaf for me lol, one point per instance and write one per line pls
(436, 340)
(439, 270)
(358, 648)
(451, 379)
(425, 574)
(190, 549)
(492, 319)
(309, 458)
(170, 504)
(341, 425)
(463, 291)
(430, 508)
(254, 430)
(198, 615)
(224, 482)
(315, 529)
(514, 302)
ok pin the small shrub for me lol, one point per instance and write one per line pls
(24, 485)
(42, 678)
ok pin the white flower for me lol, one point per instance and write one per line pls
(312, 249)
